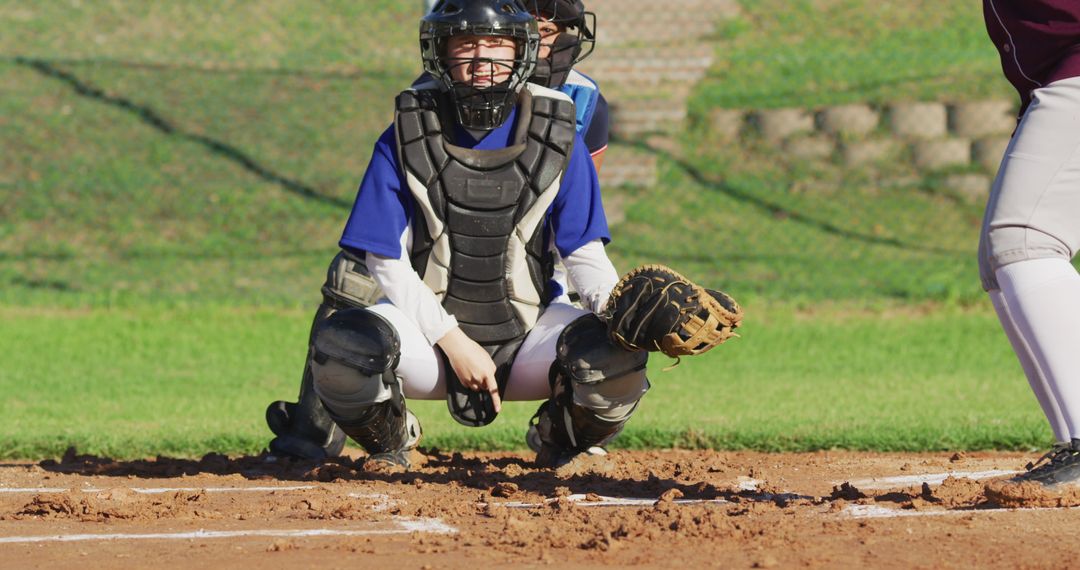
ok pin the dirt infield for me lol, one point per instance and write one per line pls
(650, 509)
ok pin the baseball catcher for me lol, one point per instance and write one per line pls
(479, 185)
(303, 429)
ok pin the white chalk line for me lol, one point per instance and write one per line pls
(602, 501)
(404, 526)
(851, 511)
(879, 483)
(382, 502)
(876, 512)
(747, 484)
(157, 490)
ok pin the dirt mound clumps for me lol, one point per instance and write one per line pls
(115, 504)
(955, 493)
(1026, 494)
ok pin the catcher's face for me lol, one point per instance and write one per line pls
(481, 61)
(548, 32)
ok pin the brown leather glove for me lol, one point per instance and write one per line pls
(655, 308)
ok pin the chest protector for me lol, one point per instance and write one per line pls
(478, 234)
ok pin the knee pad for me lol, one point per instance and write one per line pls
(348, 283)
(353, 354)
(603, 377)
(1010, 244)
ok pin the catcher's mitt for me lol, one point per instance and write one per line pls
(655, 308)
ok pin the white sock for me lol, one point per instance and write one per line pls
(1041, 298)
(1034, 375)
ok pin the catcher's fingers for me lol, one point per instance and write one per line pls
(472, 364)
(492, 388)
(487, 384)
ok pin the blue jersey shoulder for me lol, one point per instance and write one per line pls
(585, 93)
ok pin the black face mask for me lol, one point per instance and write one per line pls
(553, 70)
(483, 108)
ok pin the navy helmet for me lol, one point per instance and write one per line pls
(575, 42)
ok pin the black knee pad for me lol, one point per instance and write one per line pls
(596, 386)
(354, 354)
(305, 429)
(357, 338)
(586, 356)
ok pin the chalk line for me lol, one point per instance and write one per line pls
(383, 502)
(404, 526)
(602, 501)
(878, 483)
(157, 490)
(747, 484)
(876, 512)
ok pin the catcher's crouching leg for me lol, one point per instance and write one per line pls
(596, 387)
(303, 429)
(354, 354)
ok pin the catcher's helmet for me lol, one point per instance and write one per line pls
(576, 41)
(480, 107)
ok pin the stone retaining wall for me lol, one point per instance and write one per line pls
(933, 136)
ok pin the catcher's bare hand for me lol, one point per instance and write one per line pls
(472, 364)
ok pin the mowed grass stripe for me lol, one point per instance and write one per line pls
(808, 53)
(135, 383)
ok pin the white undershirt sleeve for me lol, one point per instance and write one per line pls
(592, 274)
(404, 288)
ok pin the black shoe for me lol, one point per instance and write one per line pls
(1060, 466)
(400, 456)
(299, 436)
(552, 457)
(550, 454)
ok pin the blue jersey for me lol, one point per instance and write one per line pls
(591, 108)
(385, 207)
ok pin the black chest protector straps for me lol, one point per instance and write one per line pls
(479, 239)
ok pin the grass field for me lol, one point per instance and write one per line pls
(135, 382)
(175, 179)
(809, 53)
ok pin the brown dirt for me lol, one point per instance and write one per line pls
(1026, 495)
(695, 509)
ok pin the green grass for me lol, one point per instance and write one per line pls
(177, 186)
(175, 177)
(136, 186)
(847, 239)
(343, 36)
(138, 382)
(809, 53)
(174, 185)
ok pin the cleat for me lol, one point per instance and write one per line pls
(303, 431)
(1059, 467)
(298, 448)
(400, 457)
(552, 457)
(550, 454)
